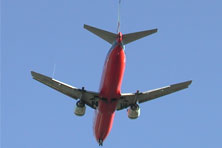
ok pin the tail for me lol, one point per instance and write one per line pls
(111, 37)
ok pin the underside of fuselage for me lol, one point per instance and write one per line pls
(110, 89)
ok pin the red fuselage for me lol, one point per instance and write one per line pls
(110, 89)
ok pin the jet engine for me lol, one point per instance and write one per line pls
(134, 111)
(80, 108)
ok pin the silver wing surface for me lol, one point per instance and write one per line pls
(129, 99)
(90, 98)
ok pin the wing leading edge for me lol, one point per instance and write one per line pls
(89, 97)
(129, 99)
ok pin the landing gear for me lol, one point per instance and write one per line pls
(100, 142)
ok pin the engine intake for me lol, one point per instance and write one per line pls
(80, 108)
(134, 111)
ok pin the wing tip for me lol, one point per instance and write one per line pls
(38, 76)
(185, 84)
(85, 26)
(155, 30)
(33, 74)
(189, 82)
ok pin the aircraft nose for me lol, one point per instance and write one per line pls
(100, 141)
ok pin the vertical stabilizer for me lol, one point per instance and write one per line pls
(118, 23)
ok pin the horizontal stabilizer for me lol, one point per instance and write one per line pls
(128, 38)
(107, 36)
(111, 37)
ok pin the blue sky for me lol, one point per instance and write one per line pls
(38, 34)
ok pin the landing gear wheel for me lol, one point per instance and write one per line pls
(100, 142)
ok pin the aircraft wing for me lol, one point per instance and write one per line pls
(131, 98)
(90, 98)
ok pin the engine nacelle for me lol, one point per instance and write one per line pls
(80, 108)
(134, 111)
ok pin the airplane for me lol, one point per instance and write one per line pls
(109, 97)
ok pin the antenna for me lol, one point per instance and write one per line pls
(54, 68)
(118, 25)
(54, 61)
